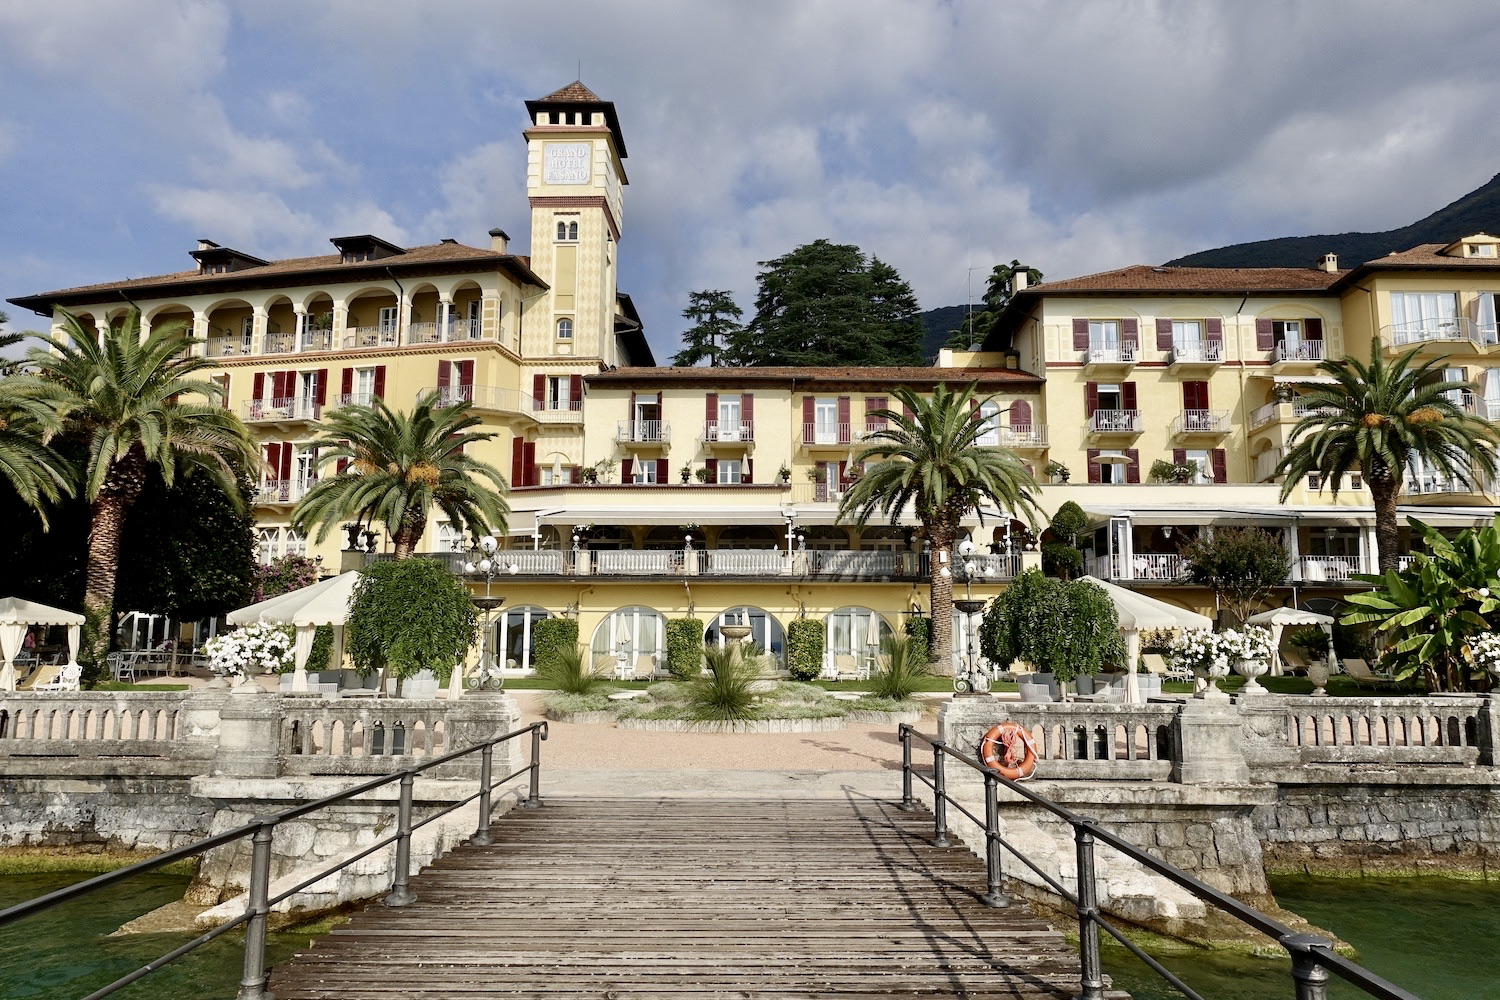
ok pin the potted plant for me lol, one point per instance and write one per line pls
(261, 648)
(703, 475)
(1206, 655)
(1163, 471)
(408, 618)
(1056, 470)
(1252, 648)
(785, 474)
(687, 473)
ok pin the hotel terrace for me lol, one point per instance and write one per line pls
(641, 493)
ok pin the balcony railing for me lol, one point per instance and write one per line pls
(1330, 569)
(826, 434)
(1029, 436)
(1299, 350)
(643, 432)
(370, 336)
(484, 397)
(1115, 422)
(1201, 422)
(282, 408)
(317, 340)
(280, 343)
(1169, 567)
(1445, 330)
(437, 333)
(1432, 484)
(356, 398)
(728, 432)
(227, 346)
(1197, 352)
(283, 490)
(1111, 354)
(819, 492)
(744, 562)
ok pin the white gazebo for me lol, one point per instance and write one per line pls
(16, 615)
(1137, 612)
(1277, 619)
(323, 603)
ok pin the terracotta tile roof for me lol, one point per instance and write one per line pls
(868, 376)
(1145, 278)
(325, 265)
(573, 93)
(1428, 255)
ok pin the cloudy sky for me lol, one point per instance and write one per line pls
(940, 136)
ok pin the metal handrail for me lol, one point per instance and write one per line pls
(1312, 956)
(260, 830)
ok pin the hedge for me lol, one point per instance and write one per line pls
(548, 636)
(804, 648)
(919, 634)
(685, 647)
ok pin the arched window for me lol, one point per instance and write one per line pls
(855, 633)
(513, 636)
(766, 634)
(296, 542)
(451, 538)
(1020, 415)
(564, 329)
(562, 230)
(572, 230)
(629, 634)
(269, 545)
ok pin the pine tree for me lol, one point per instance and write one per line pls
(715, 323)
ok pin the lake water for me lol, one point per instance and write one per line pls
(1438, 938)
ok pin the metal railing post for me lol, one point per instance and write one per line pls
(939, 798)
(482, 836)
(253, 980)
(1309, 975)
(534, 799)
(401, 894)
(907, 804)
(1088, 911)
(992, 860)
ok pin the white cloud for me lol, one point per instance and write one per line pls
(265, 222)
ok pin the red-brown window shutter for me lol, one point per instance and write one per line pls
(322, 386)
(1221, 466)
(1264, 338)
(1080, 335)
(1179, 456)
(627, 469)
(1020, 414)
(466, 374)
(517, 452)
(908, 412)
(445, 374)
(1090, 398)
(1163, 334)
(528, 463)
(1127, 396)
(341, 465)
(1214, 331)
(843, 420)
(662, 471)
(1092, 455)
(711, 407)
(747, 474)
(1313, 329)
(873, 403)
(1195, 395)
(1130, 333)
(380, 381)
(1133, 470)
(843, 474)
(747, 408)
(259, 390)
(575, 391)
(808, 403)
(273, 458)
(286, 460)
(712, 465)
(346, 383)
(539, 392)
(223, 381)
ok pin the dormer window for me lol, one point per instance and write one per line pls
(355, 256)
(1481, 249)
(359, 249)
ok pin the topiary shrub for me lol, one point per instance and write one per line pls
(804, 648)
(919, 635)
(407, 616)
(548, 636)
(685, 647)
(1063, 627)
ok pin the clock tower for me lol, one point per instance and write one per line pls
(575, 179)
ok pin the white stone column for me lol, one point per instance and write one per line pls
(258, 325)
(340, 323)
(301, 314)
(200, 333)
(444, 318)
(1294, 552)
(1369, 549)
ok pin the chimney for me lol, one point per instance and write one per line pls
(499, 241)
(1329, 263)
(207, 245)
(1018, 278)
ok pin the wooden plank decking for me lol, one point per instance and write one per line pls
(691, 899)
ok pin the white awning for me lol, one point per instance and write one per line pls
(1304, 380)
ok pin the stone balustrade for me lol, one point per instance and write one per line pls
(1306, 730)
(1077, 740)
(345, 736)
(92, 723)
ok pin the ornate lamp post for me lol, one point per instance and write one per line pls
(970, 680)
(489, 674)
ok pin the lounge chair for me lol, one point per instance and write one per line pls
(845, 667)
(66, 678)
(39, 679)
(1360, 671)
(645, 667)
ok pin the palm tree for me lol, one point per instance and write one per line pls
(932, 462)
(398, 466)
(126, 400)
(1375, 419)
(38, 474)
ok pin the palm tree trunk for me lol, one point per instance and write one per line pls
(941, 600)
(408, 533)
(1387, 525)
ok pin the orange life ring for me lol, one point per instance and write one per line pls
(1009, 749)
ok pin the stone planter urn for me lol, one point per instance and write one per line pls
(1250, 670)
(1317, 672)
(1211, 676)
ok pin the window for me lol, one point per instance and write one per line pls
(364, 386)
(826, 421)
(629, 634)
(729, 471)
(1288, 331)
(767, 637)
(567, 231)
(306, 470)
(559, 392)
(296, 543)
(729, 419)
(268, 545)
(561, 476)
(1481, 249)
(450, 538)
(388, 318)
(307, 389)
(564, 329)
(989, 416)
(1418, 316)
(247, 333)
(1112, 466)
(562, 230)
(1111, 397)
(645, 473)
(1104, 334)
(1187, 335)
(853, 632)
(1204, 471)
(514, 633)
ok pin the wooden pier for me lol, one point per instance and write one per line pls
(691, 899)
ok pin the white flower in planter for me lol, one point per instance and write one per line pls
(261, 648)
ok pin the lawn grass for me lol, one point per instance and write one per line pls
(126, 686)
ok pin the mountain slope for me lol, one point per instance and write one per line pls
(1477, 211)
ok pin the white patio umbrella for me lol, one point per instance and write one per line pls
(323, 603)
(1137, 611)
(1277, 619)
(15, 615)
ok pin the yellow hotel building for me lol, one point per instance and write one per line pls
(642, 493)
